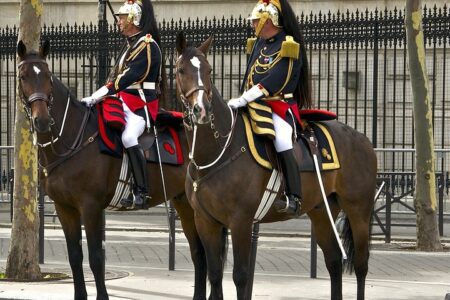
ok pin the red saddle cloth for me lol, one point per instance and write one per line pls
(316, 115)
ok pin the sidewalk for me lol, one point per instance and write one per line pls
(137, 265)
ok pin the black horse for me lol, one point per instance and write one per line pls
(79, 179)
(225, 184)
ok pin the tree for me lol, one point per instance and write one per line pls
(425, 196)
(23, 258)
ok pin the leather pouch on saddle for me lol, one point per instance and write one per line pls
(113, 115)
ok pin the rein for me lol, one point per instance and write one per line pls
(216, 135)
(76, 146)
(188, 114)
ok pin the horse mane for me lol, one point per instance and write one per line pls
(58, 84)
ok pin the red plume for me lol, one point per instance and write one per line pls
(266, 2)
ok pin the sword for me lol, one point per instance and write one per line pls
(163, 181)
(141, 94)
(319, 177)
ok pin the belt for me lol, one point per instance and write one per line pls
(143, 85)
(279, 97)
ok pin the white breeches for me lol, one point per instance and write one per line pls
(283, 133)
(134, 127)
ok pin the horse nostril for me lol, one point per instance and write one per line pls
(197, 109)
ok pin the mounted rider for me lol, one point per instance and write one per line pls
(275, 86)
(136, 80)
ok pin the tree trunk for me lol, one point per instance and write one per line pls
(23, 258)
(425, 196)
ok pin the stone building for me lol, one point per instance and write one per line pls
(78, 11)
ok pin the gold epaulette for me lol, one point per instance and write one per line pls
(290, 48)
(250, 44)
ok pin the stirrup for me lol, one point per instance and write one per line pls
(145, 201)
(293, 205)
(127, 202)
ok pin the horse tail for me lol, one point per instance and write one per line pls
(349, 246)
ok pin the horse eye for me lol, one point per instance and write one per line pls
(180, 70)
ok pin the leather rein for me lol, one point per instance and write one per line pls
(77, 143)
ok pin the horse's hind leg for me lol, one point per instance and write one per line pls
(71, 225)
(92, 218)
(330, 248)
(186, 214)
(213, 236)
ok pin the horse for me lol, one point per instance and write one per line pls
(79, 179)
(224, 184)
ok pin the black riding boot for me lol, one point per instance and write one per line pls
(292, 202)
(138, 165)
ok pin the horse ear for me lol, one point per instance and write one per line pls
(181, 42)
(21, 49)
(204, 47)
(44, 49)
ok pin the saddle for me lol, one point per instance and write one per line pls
(313, 137)
(167, 125)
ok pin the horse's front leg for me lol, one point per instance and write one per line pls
(186, 214)
(71, 225)
(92, 217)
(213, 236)
(241, 237)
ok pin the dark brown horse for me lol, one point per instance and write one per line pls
(224, 184)
(79, 179)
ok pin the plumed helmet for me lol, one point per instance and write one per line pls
(132, 8)
(267, 9)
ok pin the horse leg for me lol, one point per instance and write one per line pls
(330, 248)
(92, 218)
(186, 214)
(213, 236)
(241, 238)
(71, 225)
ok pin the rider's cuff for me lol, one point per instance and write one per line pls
(103, 91)
(254, 93)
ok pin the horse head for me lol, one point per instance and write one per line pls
(35, 85)
(193, 78)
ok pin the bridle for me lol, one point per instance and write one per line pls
(190, 125)
(38, 96)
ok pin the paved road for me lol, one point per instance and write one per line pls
(137, 263)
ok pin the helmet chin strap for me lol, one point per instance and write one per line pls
(261, 23)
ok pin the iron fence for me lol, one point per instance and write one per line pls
(358, 64)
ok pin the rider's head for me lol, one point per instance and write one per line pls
(266, 12)
(136, 16)
(130, 15)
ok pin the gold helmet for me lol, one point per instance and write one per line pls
(264, 10)
(133, 9)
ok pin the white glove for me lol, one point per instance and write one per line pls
(88, 101)
(96, 97)
(248, 96)
(237, 102)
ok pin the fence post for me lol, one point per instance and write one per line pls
(41, 210)
(102, 73)
(11, 191)
(441, 185)
(375, 81)
(102, 43)
(313, 248)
